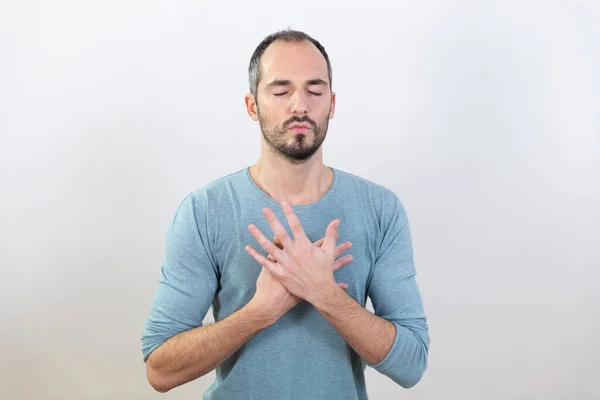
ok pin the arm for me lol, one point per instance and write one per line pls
(175, 345)
(394, 341)
(370, 336)
(192, 354)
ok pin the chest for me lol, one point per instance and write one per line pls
(239, 271)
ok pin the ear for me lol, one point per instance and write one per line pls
(332, 107)
(251, 106)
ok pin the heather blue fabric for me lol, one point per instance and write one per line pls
(301, 356)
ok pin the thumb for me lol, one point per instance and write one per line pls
(331, 236)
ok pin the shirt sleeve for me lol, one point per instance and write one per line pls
(188, 279)
(395, 296)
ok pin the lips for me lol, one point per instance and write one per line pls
(299, 126)
(299, 129)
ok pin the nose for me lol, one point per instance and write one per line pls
(299, 104)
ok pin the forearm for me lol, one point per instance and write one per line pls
(370, 336)
(192, 354)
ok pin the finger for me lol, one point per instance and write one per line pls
(262, 260)
(342, 248)
(330, 239)
(337, 264)
(294, 224)
(277, 243)
(343, 285)
(278, 229)
(266, 244)
(319, 242)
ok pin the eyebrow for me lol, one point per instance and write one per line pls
(287, 82)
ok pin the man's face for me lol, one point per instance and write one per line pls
(294, 100)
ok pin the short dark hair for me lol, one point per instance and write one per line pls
(288, 36)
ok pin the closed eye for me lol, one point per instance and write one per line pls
(313, 93)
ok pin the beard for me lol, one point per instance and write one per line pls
(301, 147)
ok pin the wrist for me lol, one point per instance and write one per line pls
(324, 296)
(258, 313)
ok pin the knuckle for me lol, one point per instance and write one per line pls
(281, 236)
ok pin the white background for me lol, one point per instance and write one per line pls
(484, 117)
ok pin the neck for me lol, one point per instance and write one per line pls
(296, 183)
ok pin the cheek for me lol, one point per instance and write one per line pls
(269, 114)
(274, 109)
(321, 105)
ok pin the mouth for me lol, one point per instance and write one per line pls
(299, 128)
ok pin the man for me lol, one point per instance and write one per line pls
(290, 317)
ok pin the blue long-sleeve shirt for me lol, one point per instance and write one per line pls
(301, 356)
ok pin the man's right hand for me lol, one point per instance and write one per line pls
(272, 298)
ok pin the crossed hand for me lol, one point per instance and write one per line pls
(303, 267)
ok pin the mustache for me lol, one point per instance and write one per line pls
(298, 120)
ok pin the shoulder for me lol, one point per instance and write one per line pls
(381, 197)
(215, 191)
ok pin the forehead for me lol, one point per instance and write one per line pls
(296, 61)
